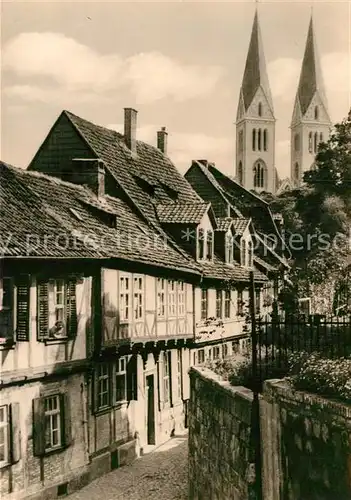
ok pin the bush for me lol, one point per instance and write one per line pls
(328, 377)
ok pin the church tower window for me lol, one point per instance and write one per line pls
(297, 142)
(321, 137)
(316, 113)
(310, 142)
(315, 142)
(254, 140)
(240, 172)
(265, 139)
(259, 139)
(259, 175)
(241, 141)
(260, 109)
(297, 171)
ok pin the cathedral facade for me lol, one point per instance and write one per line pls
(255, 121)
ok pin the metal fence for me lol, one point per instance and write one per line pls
(277, 340)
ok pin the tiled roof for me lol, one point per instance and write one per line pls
(224, 223)
(219, 270)
(149, 164)
(240, 225)
(42, 206)
(181, 213)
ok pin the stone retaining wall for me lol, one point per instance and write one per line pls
(219, 439)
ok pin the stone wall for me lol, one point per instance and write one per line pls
(306, 443)
(219, 438)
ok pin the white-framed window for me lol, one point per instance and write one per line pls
(172, 298)
(138, 292)
(200, 356)
(229, 248)
(121, 379)
(181, 298)
(243, 252)
(216, 352)
(58, 308)
(103, 386)
(7, 294)
(166, 377)
(4, 435)
(227, 303)
(219, 303)
(124, 298)
(225, 350)
(53, 419)
(179, 374)
(161, 297)
(240, 303)
(204, 303)
(250, 253)
(201, 244)
(209, 244)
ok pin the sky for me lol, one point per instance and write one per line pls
(180, 64)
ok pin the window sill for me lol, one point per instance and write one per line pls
(52, 451)
(5, 465)
(55, 341)
(7, 345)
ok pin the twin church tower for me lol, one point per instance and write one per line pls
(255, 121)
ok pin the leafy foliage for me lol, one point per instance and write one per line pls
(317, 217)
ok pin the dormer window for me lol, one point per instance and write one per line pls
(243, 252)
(229, 249)
(250, 254)
(201, 244)
(209, 245)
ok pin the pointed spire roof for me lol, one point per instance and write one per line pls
(311, 78)
(255, 74)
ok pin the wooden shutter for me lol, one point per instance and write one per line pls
(170, 370)
(38, 427)
(22, 307)
(66, 419)
(15, 433)
(42, 311)
(160, 383)
(71, 311)
(132, 378)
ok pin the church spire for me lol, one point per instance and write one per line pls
(311, 78)
(255, 74)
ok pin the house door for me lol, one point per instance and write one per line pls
(150, 402)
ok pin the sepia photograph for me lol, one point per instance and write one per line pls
(175, 250)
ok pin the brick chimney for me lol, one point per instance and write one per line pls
(162, 137)
(130, 125)
(89, 172)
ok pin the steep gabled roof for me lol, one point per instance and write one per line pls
(148, 163)
(181, 213)
(255, 74)
(311, 77)
(66, 220)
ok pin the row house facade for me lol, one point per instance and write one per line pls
(116, 277)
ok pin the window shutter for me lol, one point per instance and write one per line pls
(160, 384)
(43, 311)
(22, 320)
(38, 427)
(71, 318)
(132, 378)
(66, 419)
(170, 370)
(15, 433)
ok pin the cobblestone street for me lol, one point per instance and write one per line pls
(160, 475)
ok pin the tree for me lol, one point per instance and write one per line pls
(318, 215)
